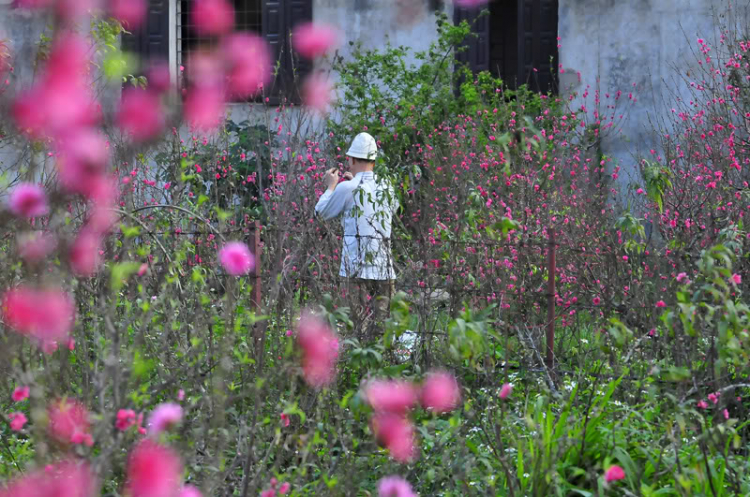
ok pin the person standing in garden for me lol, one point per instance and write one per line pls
(367, 205)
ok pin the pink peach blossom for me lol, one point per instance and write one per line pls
(284, 488)
(46, 315)
(63, 479)
(395, 486)
(35, 246)
(661, 304)
(153, 471)
(130, 13)
(84, 257)
(736, 279)
(284, 419)
(702, 404)
(28, 200)
(163, 417)
(614, 473)
(82, 158)
(470, 3)
(506, 390)
(236, 258)
(396, 433)
(317, 92)
(320, 349)
(396, 396)
(440, 392)
(249, 64)
(597, 300)
(204, 107)
(190, 491)
(125, 419)
(313, 40)
(20, 394)
(17, 420)
(141, 115)
(69, 422)
(212, 17)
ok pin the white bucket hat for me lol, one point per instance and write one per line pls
(363, 147)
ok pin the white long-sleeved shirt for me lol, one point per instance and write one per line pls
(367, 206)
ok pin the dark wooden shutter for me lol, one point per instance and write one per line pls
(477, 53)
(151, 40)
(537, 43)
(279, 19)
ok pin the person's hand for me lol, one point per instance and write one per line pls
(332, 178)
(348, 176)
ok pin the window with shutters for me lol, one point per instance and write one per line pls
(515, 40)
(273, 19)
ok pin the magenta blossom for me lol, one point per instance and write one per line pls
(236, 258)
(440, 392)
(506, 390)
(69, 422)
(614, 473)
(395, 486)
(212, 17)
(736, 279)
(125, 419)
(67, 478)
(249, 64)
(317, 92)
(20, 394)
(17, 420)
(395, 396)
(28, 200)
(141, 115)
(129, 12)
(153, 471)
(661, 304)
(163, 417)
(396, 433)
(45, 315)
(313, 40)
(190, 491)
(320, 349)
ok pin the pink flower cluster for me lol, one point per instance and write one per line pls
(66, 478)
(614, 473)
(395, 486)
(392, 399)
(69, 422)
(282, 489)
(45, 315)
(320, 350)
(236, 258)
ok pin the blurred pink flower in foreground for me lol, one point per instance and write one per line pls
(20, 394)
(313, 40)
(736, 279)
(396, 433)
(212, 17)
(35, 246)
(129, 12)
(396, 396)
(470, 3)
(28, 200)
(69, 422)
(320, 349)
(61, 99)
(125, 419)
(189, 491)
(440, 392)
(248, 62)
(204, 107)
(317, 92)
(236, 258)
(17, 420)
(64, 479)
(46, 315)
(85, 259)
(141, 115)
(395, 486)
(614, 473)
(153, 471)
(163, 417)
(82, 158)
(506, 390)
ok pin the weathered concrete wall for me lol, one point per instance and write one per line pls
(614, 44)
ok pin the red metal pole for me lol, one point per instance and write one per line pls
(551, 299)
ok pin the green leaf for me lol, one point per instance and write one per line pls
(121, 272)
